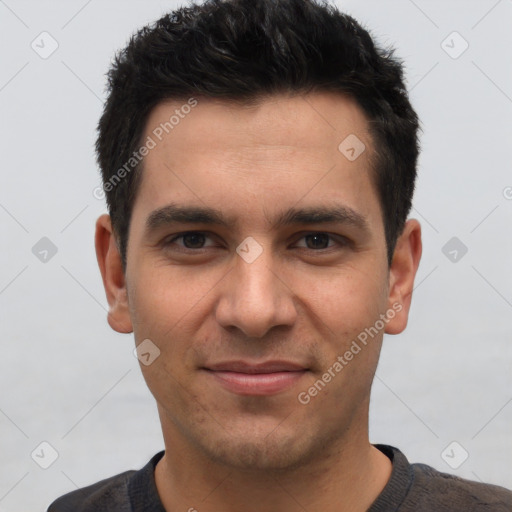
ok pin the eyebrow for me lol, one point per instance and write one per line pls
(180, 214)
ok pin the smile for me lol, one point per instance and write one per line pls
(256, 380)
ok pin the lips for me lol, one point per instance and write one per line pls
(266, 367)
(256, 379)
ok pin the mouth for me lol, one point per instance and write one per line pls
(267, 378)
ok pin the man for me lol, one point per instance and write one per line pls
(259, 161)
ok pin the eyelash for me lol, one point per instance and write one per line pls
(342, 241)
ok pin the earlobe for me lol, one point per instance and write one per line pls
(404, 266)
(112, 273)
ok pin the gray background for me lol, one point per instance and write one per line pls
(66, 378)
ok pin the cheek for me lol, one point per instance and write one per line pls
(164, 298)
(170, 306)
(345, 301)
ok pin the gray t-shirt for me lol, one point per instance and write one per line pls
(411, 488)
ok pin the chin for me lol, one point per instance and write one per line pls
(274, 449)
(247, 455)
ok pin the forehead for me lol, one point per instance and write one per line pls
(279, 151)
(312, 120)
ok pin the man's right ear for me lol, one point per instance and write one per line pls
(111, 268)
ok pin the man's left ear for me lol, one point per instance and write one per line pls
(402, 272)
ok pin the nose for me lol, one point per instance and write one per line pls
(254, 299)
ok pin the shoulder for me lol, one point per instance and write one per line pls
(434, 490)
(125, 492)
(422, 488)
(103, 495)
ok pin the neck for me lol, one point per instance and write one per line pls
(348, 476)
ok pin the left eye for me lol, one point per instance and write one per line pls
(317, 240)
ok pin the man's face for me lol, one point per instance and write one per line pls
(294, 296)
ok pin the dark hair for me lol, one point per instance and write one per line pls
(243, 50)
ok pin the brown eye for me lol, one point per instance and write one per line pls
(321, 243)
(193, 240)
(317, 241)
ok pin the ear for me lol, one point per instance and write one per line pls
(402, 272)
(109, 261)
